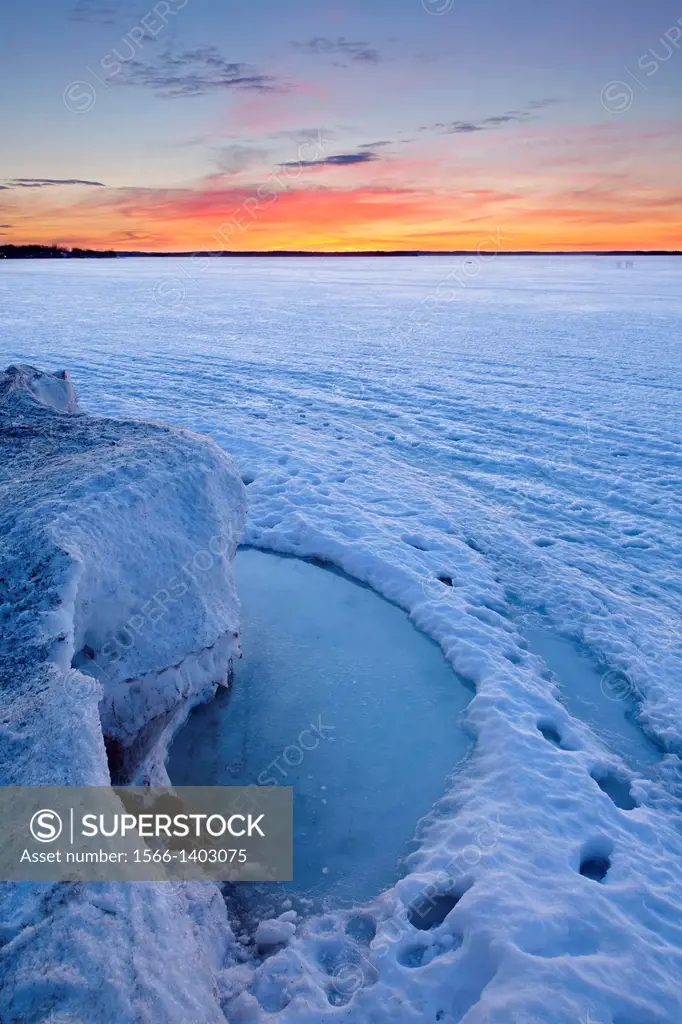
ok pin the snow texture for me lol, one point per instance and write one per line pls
(97, 518)
(495, 446)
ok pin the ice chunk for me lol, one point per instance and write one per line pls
(274, 932)
(118, 611)
(52, 390)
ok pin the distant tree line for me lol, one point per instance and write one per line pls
(51, 252)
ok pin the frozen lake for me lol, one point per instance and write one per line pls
(493, 445)
(339, 696)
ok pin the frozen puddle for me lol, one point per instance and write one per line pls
(609, 711)
(339, 696)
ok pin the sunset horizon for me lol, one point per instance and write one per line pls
(325, 130)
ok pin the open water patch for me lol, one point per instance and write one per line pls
(339, 696)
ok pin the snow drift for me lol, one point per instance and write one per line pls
(119, 614)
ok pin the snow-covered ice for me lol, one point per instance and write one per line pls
(512, 427)
(97, 517)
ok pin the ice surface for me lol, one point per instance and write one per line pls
(602, 703)
(339, 696)
(511, 425)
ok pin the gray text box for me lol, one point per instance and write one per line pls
(146, 834)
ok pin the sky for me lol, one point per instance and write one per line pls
(201, 125)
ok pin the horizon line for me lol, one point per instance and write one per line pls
(246, 253)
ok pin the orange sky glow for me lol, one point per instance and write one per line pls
(355, 218)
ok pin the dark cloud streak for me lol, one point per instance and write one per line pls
(526, 113)
(341, 160)
(48, 182)
(194, 73)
